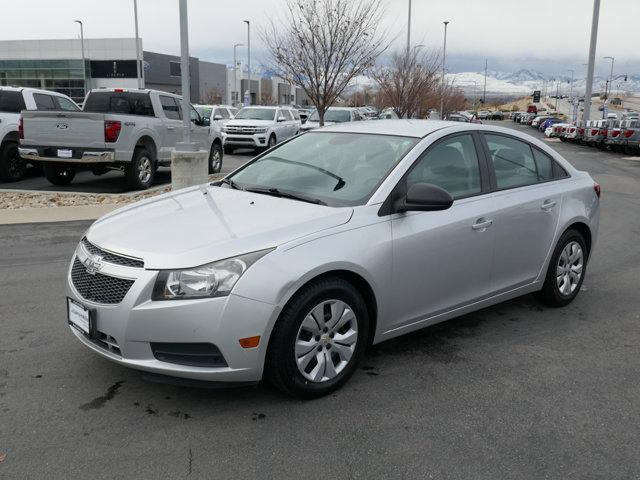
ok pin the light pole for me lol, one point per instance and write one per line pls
(606, 93)
(409, 28)
(249, 56)
(235, 69)
(592, 57)
(138, 56)
(84, 67)
(444, 57)
(185, 74)
(484, 93)
(571, 86)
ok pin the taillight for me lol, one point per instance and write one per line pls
(572, 130)
(118, 90)
(594, 131)
(628, 133)
(564, 129)
(596, 187)
(111, 131)
(581, 131)
(615, 133)
(21, 128)
(602, 132)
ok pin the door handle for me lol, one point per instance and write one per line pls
(169, 127)
(548, 205)
(482, 224)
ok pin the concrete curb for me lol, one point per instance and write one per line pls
(55, 214)
(84, 194)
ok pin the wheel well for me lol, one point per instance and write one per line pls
(10, 137)
(149, 144)
(585, 231)
(363, 288)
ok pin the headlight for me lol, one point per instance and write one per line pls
(260, 130)
(215, 279)
(224, 129)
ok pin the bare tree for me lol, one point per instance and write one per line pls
(321, 45)
(213, 96)
(407, 82)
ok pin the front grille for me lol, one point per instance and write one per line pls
(98, 288)
(107, 342)
(190, 354)
(241, 130)
(112, 257)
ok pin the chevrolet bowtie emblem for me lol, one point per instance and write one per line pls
(93, 264)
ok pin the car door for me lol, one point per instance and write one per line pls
(172, 123)
(281, 127)
(528, 202)
(442, 259)
(199, 131)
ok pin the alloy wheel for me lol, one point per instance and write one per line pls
(215, 160)
(570, 267)
(326, 341)
(16, 166)
(144, 169)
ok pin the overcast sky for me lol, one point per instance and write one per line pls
(539, 34)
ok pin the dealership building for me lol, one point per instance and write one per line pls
(111, 62)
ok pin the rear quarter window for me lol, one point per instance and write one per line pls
(11, 102)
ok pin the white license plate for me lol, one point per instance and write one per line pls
(79, 316)
(65, 153)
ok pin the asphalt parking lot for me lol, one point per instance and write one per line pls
(512, 391)
(111, 182)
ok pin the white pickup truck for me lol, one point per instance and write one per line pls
(130, 130)
(12, 101)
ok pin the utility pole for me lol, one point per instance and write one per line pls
(592, 57)
(185, 75)
(409, 29)
(84, 67)
(444, 57)
(484, 93)
(557, 92)
(571, 86)
(138, 56)
(249, 56)
(235, 71)
(610, 81)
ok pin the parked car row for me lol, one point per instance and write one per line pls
(619, 135)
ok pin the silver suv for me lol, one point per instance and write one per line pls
(260, 127)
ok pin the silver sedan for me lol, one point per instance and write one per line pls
(290, 267)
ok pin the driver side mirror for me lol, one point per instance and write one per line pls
(424, 197)
(281, 119)
(218, 117)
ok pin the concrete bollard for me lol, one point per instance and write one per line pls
(189, 168)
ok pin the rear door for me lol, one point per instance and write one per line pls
(528, 200)
(171, 123)
(442, 260)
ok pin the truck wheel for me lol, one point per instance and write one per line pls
(215, 158)
(12, 167)
(141, 171)
(59, 174)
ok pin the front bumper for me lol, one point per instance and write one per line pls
(250, 141)
(44, 154)
(130, 327)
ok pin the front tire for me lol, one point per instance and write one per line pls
(141, 171)
(318, 340)
(59, 174)
(215, 158)
(567, 268)
(12, 167)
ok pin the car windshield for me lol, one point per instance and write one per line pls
(205, 112)
(335, 168)
(336, 116)
(256, 114)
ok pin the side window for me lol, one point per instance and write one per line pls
(170, 107)
(141, 105)
(296, 115)
(66, 104)
(194, 116)
(544, 163)
(44, 102)
(451, 164)
(512, 161)
(288, 115)
(233, 111)
(223, 112)
(11, 102)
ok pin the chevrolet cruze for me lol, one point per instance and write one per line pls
(291, 266)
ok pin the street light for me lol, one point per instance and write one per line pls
(235, 69)
(571, 85)
(606, 93)
(84, 67)
(444, 56)
(185, 74)
(592, 58)
(138, 59)
(249, 56)
(409, 28)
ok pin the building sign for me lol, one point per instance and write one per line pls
(536, 96)
(113, 69)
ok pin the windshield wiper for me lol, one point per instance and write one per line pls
(279, 193)
(230, 182)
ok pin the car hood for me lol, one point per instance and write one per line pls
(249, 123)
(202, 224)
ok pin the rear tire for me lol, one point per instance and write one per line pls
(215, 158)
(12, 167)
(566, 271)
(342, 339)
(59, 175)
(141, 171)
